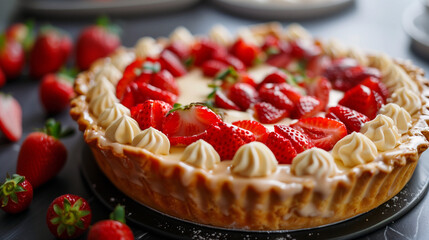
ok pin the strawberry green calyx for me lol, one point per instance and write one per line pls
(69, 217)
(10, 188)
(118, 214)
(2, 41)
(68, 74)
(154, 67)
(28, 41)
(105, 23)
(53, 128)
(178, 106)
(229, 75)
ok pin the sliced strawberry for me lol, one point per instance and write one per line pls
(276, 98)
(151, 113)
(281, 60)
(230, 60)
(323, 132)
(377, 86)
(272, 45)
(230, 77)
(307, 106)
(246, 52)
(164, 81)
(204, 50)
(304, 49)
(189, 120)
(292, 93)
(172, 63)
(320, 88)
(267, 113)
(186, 140)
(299, 140)
(363, 100)
(10, 117)
(213, 67)
(281, 147)
(275, 77)
(223, 101)
(139, 92)
(316, 66)
(243, 95)
(181, 50)
(224, 139)
(353, 120)
(259, 130)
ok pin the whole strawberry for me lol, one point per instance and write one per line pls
(22, 33)
(12, 57)
(10, 117)
(55, 92)
(68, 216)
(113, 229)
(50, 51)
(95, 42)
(42, 155)
(16, 194)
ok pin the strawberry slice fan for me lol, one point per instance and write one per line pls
(271, 131)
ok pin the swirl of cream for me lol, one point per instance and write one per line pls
(101, 86)
(123, 130)
(295, 31)
(103, 101)
(153, 141)
(147, 47)
(334, 49)
(201, 154)
(399, 115)
(358, 55)
(220, 35)
(407, 99)
(122, 59)
(393, 76)
(382, 131)
(354, 149)
(109, 71)
(313, 162)
(182, 34)
(111, 114)
(254, 159)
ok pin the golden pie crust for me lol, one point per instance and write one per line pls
(180, 190)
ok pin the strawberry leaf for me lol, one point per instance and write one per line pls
(70, 230)
(80, 224)
(58, 210)
(55, 220)
(60, 229)
(67, 205)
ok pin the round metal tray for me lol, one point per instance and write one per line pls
(159, 223)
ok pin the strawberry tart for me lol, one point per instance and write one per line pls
(271, 129)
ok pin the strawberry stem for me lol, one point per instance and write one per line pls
(118, 214)
(68, 74)
(53, 128)
(105, 23)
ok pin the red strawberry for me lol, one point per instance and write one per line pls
(230, 77)
(12, 57)
(16, 194)
(304, 49)
(55, 92)
(95, 42)
(307, 106)
(243, 95)
(353, 120)
(181, 50)
(281, 60)
(187, 121)
(139, 92)
(164, 81)
(213, 67)
(2, 78)
(151, 113)
(363, 100)
(267, 113)
(276, 98)
(42, 155)
(272, 45)
(259, 130)
(299, 140)
(377, 86)
(172, 63)
(226, 139)
(246, 52)
(50, 52)
(222, 101)
(204, 50)
(316, 66)
(323, 132)
(275, 77)
(320, 88)
(113, 229)
(22, 33)
(281, 147)
(230, 60)
(68, 216)
(10, 117)
(292, 93)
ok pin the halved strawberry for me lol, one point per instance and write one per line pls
(243, 95)
(276, 98)
(139, 92)
(316, 66)
(10, 117)
(151, 113)
(363, 100)
(204, 50)
(189, 120)
(323, 132)
(267, 113)
(230, 77)
(226, 139)
(307, 106)
(304, 49)
(222, 101)
(281, 147)
(319, 87)
(281, 60)
(272, 45)
(292, 93)
(213, 67)
(275, 77)
(353, 120)
(172, 63)
(232, 61)
(181, 50)
(246, 52)
(164, 81)
(377, 86)
(299, 140)
(259, 130)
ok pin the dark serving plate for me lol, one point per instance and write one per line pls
(167, 226)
